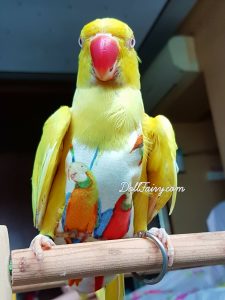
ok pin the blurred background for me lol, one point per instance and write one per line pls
(181, 45)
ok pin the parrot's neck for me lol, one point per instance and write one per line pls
(104, 117)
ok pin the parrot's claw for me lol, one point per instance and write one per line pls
(39, 244)
(162, 235)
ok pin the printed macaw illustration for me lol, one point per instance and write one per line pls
(80, 213)
(82, 204)
(120, 220)
(114, 223)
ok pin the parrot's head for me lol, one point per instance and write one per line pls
(107, 55)
(77, 172)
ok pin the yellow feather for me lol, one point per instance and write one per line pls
(158, 168)
(115, 289)
(56, 197)
(47, 158)
(106, 25)
(161, 160)
(105, 116)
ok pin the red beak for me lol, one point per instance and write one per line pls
(104, 53)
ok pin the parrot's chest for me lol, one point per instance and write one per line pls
(98, 202)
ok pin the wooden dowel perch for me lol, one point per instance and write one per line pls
(112, 257)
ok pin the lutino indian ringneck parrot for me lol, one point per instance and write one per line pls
(91, 153)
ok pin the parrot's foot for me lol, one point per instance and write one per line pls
(164, 238)
(39, 244)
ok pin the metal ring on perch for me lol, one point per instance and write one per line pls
(156, 241)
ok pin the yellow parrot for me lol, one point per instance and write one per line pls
(91, 154)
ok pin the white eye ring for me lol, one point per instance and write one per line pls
(132, 42)
(80, 42)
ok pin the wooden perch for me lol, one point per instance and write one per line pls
(109, 257)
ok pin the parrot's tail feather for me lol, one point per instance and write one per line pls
(115, 289)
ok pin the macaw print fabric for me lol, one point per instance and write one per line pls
(96, 204)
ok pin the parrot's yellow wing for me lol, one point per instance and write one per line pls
(46, 160)
(161, 165)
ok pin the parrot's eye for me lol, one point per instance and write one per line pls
(80, 42)
(131, 42)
